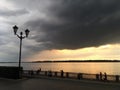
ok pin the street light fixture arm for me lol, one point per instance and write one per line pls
(21, 37)
(15, 29)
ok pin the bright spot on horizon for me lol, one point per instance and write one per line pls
(104, 52)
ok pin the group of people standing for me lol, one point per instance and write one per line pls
(103, 76)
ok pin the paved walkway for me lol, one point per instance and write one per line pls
(56, 84)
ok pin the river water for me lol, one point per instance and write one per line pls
(111, 68)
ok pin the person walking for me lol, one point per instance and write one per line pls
(105, 76)
(100, 75)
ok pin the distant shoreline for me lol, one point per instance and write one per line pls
(72, 61)
(65, 61)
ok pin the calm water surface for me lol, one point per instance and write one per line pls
(112, 68)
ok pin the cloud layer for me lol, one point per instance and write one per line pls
(12, 12)
(78, 24)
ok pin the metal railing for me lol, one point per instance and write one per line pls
(31, 73)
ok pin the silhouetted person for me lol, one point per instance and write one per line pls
(38, 71)
(62, 73)
(100, 75)
(105, 76)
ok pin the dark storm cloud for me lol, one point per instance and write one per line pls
(8, 12)
(79, 23)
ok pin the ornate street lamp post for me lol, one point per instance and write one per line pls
(15, 29)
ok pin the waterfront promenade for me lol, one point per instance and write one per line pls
(51, 83)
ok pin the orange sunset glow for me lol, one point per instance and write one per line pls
(104, 52)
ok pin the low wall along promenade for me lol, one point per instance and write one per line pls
(10, 72)
(80, 76)
(14, 73)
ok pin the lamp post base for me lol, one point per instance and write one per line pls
(20, 72)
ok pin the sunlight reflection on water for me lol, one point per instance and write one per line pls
(111, 68)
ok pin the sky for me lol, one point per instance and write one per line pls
(60, 29)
